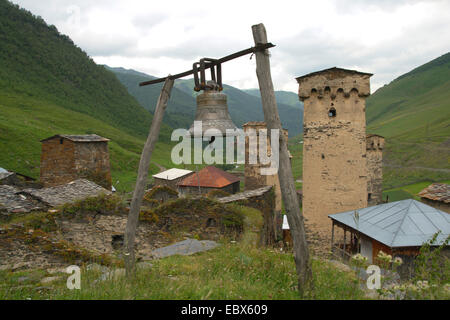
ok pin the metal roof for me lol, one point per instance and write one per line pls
(172, 174)
(209, 177)
(406, 223)
(3, 170)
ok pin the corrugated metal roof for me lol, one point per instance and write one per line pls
(172, 174)
(210, 177)
(437, 192)
(79, 138)
(405, 223)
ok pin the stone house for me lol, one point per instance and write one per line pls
(65, 158)
(437, 195)
(208, 179)
(171, 177)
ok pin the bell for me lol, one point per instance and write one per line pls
(212, 110)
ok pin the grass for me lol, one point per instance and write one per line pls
(231, 271)
(408, 191)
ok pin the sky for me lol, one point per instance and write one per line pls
(385, 37)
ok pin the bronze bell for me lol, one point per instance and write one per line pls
(212, 110)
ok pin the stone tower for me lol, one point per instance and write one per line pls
(65, 158)
(334, 144)
(374, 152)
(252, 176)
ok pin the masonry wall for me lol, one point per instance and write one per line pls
(63, 161)
(57, 162)
(252, 172)
(374, 152)
(92, 162)
(334, 152)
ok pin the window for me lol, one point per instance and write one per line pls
(332, 113)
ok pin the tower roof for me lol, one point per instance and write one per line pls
(333, 72)
(79, 138)
(332, 81)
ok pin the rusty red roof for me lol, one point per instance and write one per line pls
(210, 177)
(437, 192)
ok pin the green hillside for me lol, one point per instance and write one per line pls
(180, 109)
(284, 97)
(50, 86)
(243, 106)
(413, 114)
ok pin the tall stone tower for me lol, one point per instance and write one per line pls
(374, 149)
(334, 144)
(252, 172)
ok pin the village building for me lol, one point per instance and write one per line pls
(65, 158)
(437, 195)
(253, 179)
(334, 149)
(171, 177)
(208, 179)
(398, 228)
(374, 156)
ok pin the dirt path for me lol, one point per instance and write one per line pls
(161, 168)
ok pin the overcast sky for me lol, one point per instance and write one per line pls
(384, 37)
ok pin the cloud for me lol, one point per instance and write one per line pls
(385, 37)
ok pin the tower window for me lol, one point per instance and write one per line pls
(332, 113)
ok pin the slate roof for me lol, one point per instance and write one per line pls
(406, 223)
(210, 177)
(333, 69)
(172, 174)
(437, 192)
(66, 193)
(79, 138)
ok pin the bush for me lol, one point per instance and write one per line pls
(104, 204)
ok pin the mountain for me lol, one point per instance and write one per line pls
(284, 97)
(243, 106)
(413, 114)
(180, 109)
(49, 86)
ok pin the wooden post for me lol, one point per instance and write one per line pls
(289, 195)
(133, 216)
(332, 236)
(345, 239)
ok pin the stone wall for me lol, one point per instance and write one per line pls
(374, 152)
(63, 160)
(92, 162)
(334, 150)
(57, 162)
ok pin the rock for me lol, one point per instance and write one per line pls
(50, 279)
(97, 268)
(22, 279)
(113, 275)
(56, 270)
(144, 265)
(5, 267)
(186, 247)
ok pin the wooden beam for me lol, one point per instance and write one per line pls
(289, 195)
(133, 216)
(212, 64)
